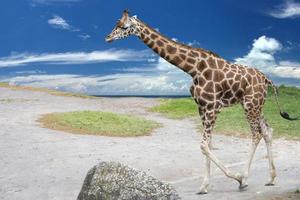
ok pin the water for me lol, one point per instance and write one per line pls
(145, 96)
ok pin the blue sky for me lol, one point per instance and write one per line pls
(60, 43)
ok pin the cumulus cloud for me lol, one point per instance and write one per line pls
(262, 56)
(60, 23)
(261, 53)
(74, 57)
(287, 10)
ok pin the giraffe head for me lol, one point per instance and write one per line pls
(125, 26)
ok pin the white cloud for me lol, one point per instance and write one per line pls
(261, 56)
(160, 78)
(84, 36)
(151, 60)
(116, 84)
(289, 9)
(74, 57)
(60, 23)
(286, 71)
(194, 43)
(261, 53)
(30, 72)
(264, 43)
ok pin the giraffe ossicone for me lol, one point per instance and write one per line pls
(217, 83)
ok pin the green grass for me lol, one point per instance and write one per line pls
(98, 123)
(232, 120)
(49, 91)
(176, 108)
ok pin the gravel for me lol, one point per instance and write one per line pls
(38, 163)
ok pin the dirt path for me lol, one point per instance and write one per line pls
(37, 163)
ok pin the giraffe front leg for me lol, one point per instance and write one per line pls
(205, 183)
(208, 119)
(207, 152)
(255, 142)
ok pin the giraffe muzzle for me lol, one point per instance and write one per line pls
(108, 39)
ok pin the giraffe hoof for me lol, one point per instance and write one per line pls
(269, 184)
(243, 186)
(239, 178)
(201, 192)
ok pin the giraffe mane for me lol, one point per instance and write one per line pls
(200, 49)
(183, 45)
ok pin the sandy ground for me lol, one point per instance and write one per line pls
(38, 163)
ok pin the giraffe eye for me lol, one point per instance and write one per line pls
(124, 28)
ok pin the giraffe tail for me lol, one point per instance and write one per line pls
(283, 114)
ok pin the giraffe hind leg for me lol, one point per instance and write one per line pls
(267, 135)
(253, 115)
(254, 144)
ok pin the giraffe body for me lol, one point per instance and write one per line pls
(216, 84)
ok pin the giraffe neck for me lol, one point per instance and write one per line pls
(190, 60)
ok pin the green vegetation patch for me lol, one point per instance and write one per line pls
(176, 108)
(232, 120)
(98, 123)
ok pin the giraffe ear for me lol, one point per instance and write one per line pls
(126, 11)
(125, 15)
(125, 18)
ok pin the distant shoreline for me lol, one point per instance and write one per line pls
(144, 96)
(82, 95)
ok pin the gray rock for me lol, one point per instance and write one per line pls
(114, 181)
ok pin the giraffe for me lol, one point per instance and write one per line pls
(217, 83)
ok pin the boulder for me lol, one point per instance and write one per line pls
(115, 181)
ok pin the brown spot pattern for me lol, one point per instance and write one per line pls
(151, 44)
(218, 76)
(220, 64)
(146, 31)
(182, 56)
(153, 36)
(207, 96)
(190, 60)
(212, 63)
(207, 74)
(209, 87)
(171, 49)
(176, 60)
(159, 43)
